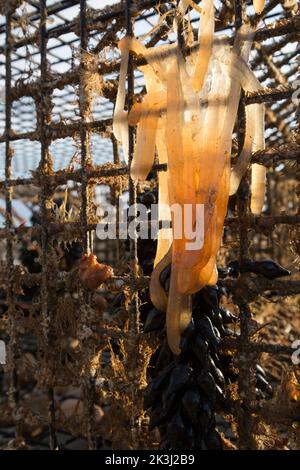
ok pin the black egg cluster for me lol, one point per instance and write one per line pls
(185, 392)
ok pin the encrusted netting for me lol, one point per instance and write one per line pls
(91, 368)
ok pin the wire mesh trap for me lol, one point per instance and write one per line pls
(86, 362)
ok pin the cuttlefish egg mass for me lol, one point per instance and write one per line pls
(187, 118)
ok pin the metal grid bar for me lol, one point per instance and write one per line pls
(44, 110)
(89, 385)
(14, 392)
(134, 318)
(246, 379)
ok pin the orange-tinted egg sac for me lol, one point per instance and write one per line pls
(259, 6)
(92, 273)
(188, 115)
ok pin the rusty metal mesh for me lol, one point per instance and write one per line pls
(59, 78)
